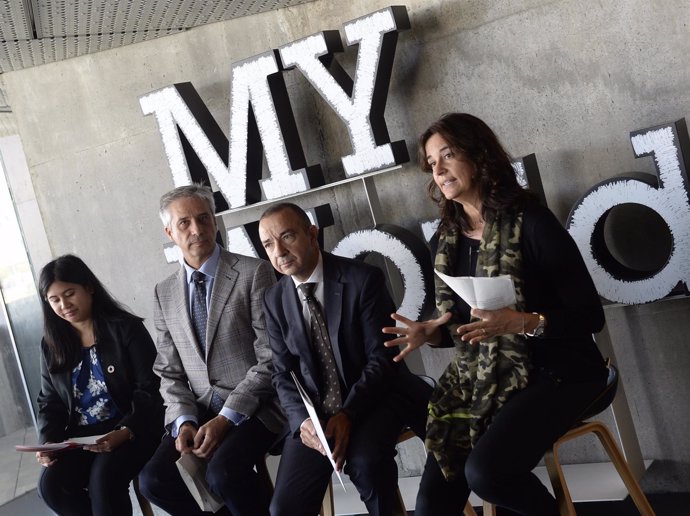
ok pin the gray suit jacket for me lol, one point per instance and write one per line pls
(237, 364)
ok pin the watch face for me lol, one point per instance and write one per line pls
(539, 330)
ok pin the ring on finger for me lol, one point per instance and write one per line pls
(483, 331)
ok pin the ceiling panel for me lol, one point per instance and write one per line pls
(34, 32)
(14, 21)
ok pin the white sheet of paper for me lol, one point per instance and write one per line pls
(52, 447)
(482, 293)
(193, 472)
(75, 442)
(317, 424)
(91, 439)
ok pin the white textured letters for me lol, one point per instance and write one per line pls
(172, 111)
(669, 200)
(360, 243)
(356, 110)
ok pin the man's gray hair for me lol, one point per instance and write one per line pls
(198, 190)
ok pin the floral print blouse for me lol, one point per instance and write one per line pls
(93, 404)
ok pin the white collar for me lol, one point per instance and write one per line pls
(316, 275)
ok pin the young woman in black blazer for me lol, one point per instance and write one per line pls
(96, 379)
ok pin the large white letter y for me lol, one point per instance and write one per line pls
(360, 104)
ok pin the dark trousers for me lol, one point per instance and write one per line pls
(303, 474)
(83, 483)
(230, 474)
(499, 467)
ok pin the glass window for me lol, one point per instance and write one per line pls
(21, 321)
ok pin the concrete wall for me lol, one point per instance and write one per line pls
(567, 80)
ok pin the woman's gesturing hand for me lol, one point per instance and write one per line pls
(414, 334)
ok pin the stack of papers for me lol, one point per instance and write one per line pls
(75, 442)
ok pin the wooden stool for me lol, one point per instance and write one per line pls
(489, 509)
(328, 506)
(469, 510)
(560, 488)
(553, 466)
(144, 504)
(328, 509)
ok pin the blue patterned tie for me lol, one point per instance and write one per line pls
(199, 320)
(330, 384)
(199, 312)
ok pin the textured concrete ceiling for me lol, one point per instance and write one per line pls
(34, 32)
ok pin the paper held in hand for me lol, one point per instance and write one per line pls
(193, 472)
(75, 442)
(482, 293)
(317, 424)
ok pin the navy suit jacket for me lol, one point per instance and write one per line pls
(357, 306)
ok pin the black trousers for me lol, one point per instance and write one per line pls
(230, 474)
(499, 467)
(303, 474)
(83, 483)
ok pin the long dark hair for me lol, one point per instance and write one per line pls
(60, 337)
(499, 190)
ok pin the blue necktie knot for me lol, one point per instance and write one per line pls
(198, 277)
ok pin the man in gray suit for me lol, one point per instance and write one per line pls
(214, 362)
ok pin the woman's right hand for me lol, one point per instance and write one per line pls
(414, 334)
(45, 459)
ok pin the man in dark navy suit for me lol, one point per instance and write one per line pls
(328, 333)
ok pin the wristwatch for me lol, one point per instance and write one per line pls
(539, 330)
(131, 434)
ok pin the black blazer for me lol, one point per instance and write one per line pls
(127, 353)
(357, 306)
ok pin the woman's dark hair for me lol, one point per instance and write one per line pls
(498, 187)
(60, 337)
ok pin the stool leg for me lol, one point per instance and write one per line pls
(624, 471)
(328, 505)
(488, 508)
(560, 487)
(144, 504)
(469, 510)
